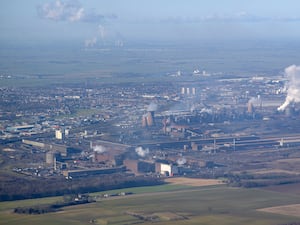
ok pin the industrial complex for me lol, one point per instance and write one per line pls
(204, 126)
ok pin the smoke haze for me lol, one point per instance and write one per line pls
(152, 107)
(293, 86)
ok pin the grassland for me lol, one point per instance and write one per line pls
(166, 204)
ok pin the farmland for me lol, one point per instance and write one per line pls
(167, 204)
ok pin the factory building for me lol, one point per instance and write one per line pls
(146, 167)
(108, 153)
(33, 143)
(195, 146)
(105, 158)
(50, 158)
(166, 169)
(59, 134)
(17, 129)
(91, 172)
(62, 149)
(139, 167)
(131, 165)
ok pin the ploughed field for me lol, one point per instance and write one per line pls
(169, 204)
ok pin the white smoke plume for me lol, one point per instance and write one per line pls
(90, 42)
(255, 101)
(102, 31)
(293, 86)
(71, 11)
(100, 36)
(206, 110)
(142, 152)
(99, 149)
(181, 161)
(152, 107)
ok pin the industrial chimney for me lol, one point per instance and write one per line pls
(150, 118)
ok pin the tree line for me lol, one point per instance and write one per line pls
(22, 188)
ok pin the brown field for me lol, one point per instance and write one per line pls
(289, 210)
(193, 181)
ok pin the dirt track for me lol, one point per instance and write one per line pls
(193, 181)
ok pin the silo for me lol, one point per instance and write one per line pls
(182, 90)
(187, 91)
(194, 91)
(250, 107)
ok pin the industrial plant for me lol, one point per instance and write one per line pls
(209, 127)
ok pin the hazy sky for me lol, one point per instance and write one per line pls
(96, 21)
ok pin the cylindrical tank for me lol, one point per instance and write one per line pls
(194, 91)
(182, 90)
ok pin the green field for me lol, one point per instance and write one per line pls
(80, 80)
(164, 205)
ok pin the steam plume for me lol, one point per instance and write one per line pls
(142, 152)
(181, 161)
(90, 42)
(93, 41)
(72, 11)
(99, 149)
(206, 110)
(255, 101)
(152, 107)
(293, 86)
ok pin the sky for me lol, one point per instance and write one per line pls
(96, 22)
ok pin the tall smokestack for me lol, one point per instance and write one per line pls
(144, 121)
(150, 118)
(150, 115)
(250, 107)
